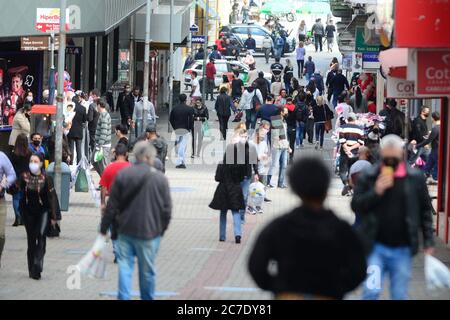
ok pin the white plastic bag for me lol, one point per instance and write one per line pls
(94, 262)
(256, 194)
(437, 275)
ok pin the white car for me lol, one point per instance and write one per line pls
(223, 67)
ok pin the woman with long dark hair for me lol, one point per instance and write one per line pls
(39, 209)
(20, 158)
(358, 101)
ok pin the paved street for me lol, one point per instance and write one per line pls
(192, 263)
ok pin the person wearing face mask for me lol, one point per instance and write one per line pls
(29, 98)
(200, 115)
(39, 208)
(394, 205)
(419, 128)
(35, 145)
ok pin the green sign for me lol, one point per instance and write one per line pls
(360, 44)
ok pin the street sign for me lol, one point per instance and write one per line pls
(433, 73)
(40, 43)
(198, 39)
(47, 19)
(399, 88)
(370, 60)
(194, 28)
(360, 44)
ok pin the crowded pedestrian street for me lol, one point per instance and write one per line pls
(251, 150)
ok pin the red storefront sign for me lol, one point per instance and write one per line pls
(433, 73)
(422, 23)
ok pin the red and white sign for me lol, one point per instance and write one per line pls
(399, 88)
(422, 23)
(47, 19)
(433, 73)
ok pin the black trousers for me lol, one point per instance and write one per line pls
(300, 64)
(292, 133)
(92, 141)
(75, 142)
(223, 124)
(36, 227)
(309, 130)
(318, 41)
(344, 166)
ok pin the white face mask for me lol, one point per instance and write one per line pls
(29, 99)
(35, 168)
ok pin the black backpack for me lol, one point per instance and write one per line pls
(255, 103)
(301, 112)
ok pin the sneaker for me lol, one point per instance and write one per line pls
(345, 190)
(193, 156)
(267, 200)
(270, 186)
(251, 210)
(282, 187)
(259, 210)
(238, 239)
(222, 240)
(181, 166)
(317, 146)
(321, 148)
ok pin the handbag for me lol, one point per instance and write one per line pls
(81, 184)
(53, 230)
(205, 128)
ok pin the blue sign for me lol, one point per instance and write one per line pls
(198, 39)
(194, 28)
(370, 60)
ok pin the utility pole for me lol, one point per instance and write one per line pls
(145, 97)
(205, 48)
(51, 80)
(60, 97)
(170, 64)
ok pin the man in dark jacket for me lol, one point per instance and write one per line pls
(339, 83)
(395, 119)
(223, 108)
(92, 118)
(141, 205)
(330, 75)
(250, 43)
(393, 203)
(182, 119)
(75, 135)
(128, 106)
(263, 85)
(121, 103)
(335, 265)
(419, 126)
(433, 140)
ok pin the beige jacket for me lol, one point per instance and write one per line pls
(21, 124)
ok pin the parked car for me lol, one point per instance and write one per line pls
(222, 67)
(258, 33)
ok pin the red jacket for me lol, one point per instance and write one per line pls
(210, 71)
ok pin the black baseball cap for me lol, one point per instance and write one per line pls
(151, 128)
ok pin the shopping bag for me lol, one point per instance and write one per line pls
(205, 128)
(256, 194)
(94, 262)
(437, 275)
(81, 184)
(98, 156)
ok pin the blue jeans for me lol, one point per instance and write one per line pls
(320, 132)
(308, 77)
(280, 157)
(397, 262)
(145, 250)
(16, 201)
(236, 224)
(245, 184)
(250, 119)
(300, 135)
(335, 98)
(431, 167)
(181, 145)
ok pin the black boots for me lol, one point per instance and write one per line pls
(238, 239)
(17, 222)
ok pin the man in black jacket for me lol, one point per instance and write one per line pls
(223, 109)
(75, 135)
(128, 106)
(92, 118)
(121, 103)
(339, 83)
(433, 140)
(141, 205)
(395, 119)
(182, 119)
(393, 203)
(308, 253)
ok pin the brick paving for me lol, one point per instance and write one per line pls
(191, 264)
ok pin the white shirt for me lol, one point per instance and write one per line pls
(195, 84)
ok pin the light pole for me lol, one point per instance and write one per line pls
(146, 66)
(60, 97)
(205, 48)
(170, 64)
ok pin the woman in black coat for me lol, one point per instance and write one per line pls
(75, 135)
(322, 114)
(228, 195)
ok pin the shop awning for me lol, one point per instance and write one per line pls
(394, 62)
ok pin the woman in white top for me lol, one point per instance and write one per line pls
(260, 140)
(301, 33)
